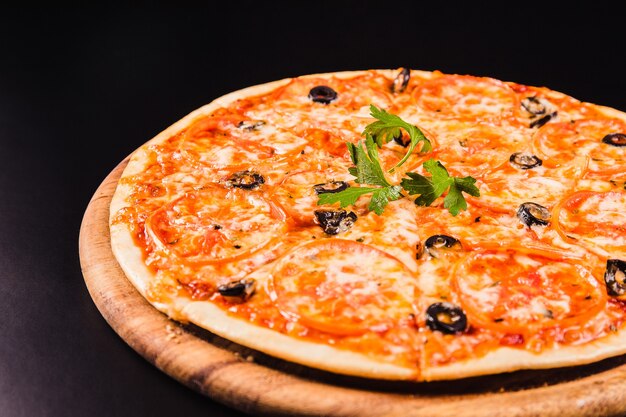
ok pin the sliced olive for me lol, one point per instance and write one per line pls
(322, 94)
(446, 318)
(437, 244)
(400, 140)
(248, 180)
(237, 291)
(615, 277)
(615, 139)
(542, 120)
(334, 221)
(330, 187)
(524, 160)
(251, 125)
(533, 213)
(534, 106)
(401, 81)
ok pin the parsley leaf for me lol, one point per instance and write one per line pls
(367, 170)
(347, 197)
(382, 196)
(440, 181)
(388, 126)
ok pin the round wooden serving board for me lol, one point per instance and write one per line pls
(255, 383)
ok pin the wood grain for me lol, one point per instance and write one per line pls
(255, 383)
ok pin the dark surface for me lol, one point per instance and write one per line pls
(80, 89)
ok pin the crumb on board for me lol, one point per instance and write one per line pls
(173, 332)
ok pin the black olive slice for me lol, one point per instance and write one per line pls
(615, 139)
(401, 81)
(534, 106)
(330, 187)
(615, 277)
(322, 94)
(334, 221)
(533, 213)
(446, 318)
(251, 125)
(524, 160)
(400, 140)
(247, 180)
(237, 291)
(542, 120)
(434, 245)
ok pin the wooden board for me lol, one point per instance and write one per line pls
(255, 383)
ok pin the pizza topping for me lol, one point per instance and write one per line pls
(466, 97)
(402, 140)
(542, 120)
(524, 160)
(367, 170)
(389, 126)
(533, 105)
(247, 180)
(322, 94)
(615, 277)
(561, 144)
(440, 181)
(237, 291)
(533, 214)
(343, 287)
(251, 125)
(335, 221)
(596, 218)
(437, 244)
(330, 187)
(615, 139)
(521, 293)
(446, 318)
(401, 81)
(540, 111)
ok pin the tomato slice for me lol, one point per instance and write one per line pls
(343, 287)
(215, 225)
(535, 293)
(471, 149)
(233, 140)
(506, 195)
(598, 218)
(370, 88)
(297, 196)
(466, 97)
(560, 143)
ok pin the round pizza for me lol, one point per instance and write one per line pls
(389, 224)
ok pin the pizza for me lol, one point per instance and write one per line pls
(388, 224)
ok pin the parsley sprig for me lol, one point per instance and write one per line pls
(440, 181)
(367, 170)
(387, 126)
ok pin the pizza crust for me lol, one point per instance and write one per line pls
(317, 355)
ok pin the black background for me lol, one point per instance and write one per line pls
(81, 88)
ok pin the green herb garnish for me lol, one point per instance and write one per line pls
(440, 181)
(388, 126)
(367, 170)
